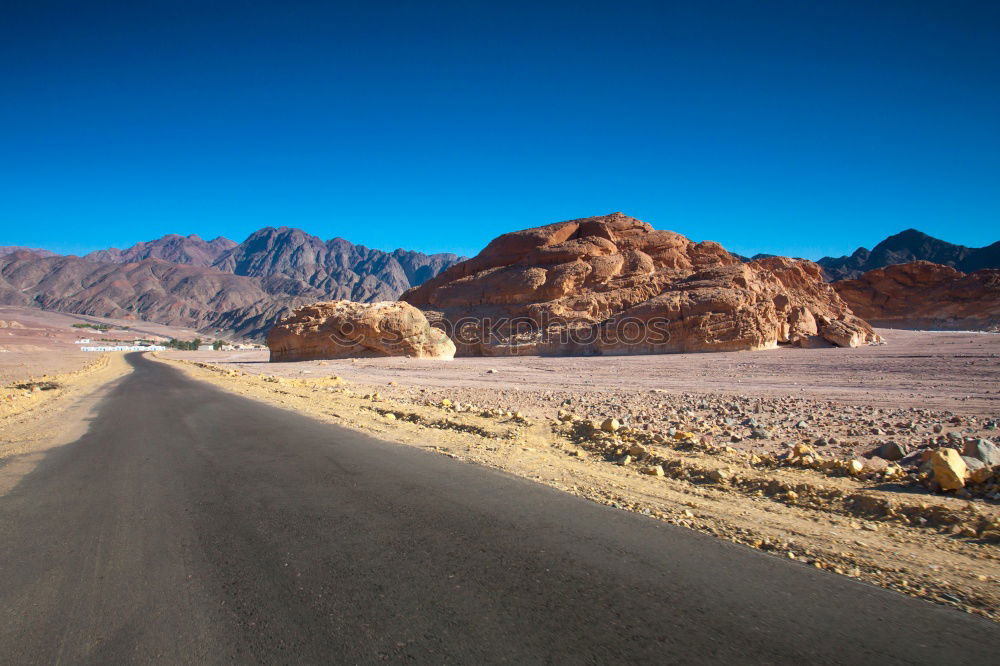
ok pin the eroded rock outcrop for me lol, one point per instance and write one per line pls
(612, 284)
(922, 294)
(344, 329)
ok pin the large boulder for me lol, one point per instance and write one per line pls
(344, 329)
(614, 285)
(922, 294)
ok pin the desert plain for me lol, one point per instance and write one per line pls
(752, 446)
(747, 446)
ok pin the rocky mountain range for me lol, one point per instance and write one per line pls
(190, 250)
(907, 246)
(214, 286)
(11, 249)
(293, 262)
(151, 290)
(243, 288)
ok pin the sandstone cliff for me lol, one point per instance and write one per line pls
(924, 295)
(343, 329)
(612, 284)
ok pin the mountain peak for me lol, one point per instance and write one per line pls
(177, 249)
(907, 246)
(11, 249)
(910, 238)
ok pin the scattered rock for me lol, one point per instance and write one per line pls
(893, 451)
(720, 475)
(984, 450)
(876, 465)
(637, 450)
(981, 475)
(802, 450)
(610, 425)
(949, 469)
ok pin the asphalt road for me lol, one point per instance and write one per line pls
(193, 526)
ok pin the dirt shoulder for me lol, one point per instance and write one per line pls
(798, 504)
(48, 411)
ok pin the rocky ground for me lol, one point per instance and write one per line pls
(924, 377)
(816, 455)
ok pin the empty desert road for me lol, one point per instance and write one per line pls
(194, 526)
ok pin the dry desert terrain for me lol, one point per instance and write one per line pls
(947, 372)
(35, 343)
(748, 446)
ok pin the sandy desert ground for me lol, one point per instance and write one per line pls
(946, 373)
(947, 370)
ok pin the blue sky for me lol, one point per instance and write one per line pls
(798, 127)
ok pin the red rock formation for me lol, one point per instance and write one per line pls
(344, 329)
(613, 284)
(922, 294)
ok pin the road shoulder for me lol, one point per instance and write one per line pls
(37, 416)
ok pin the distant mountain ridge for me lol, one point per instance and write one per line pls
(170, 279)
(191, 250)
(238, 288)
(11, 249)
(298, 263)
(151, 290)
(907, 246)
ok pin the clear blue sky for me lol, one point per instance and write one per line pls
(792, 127)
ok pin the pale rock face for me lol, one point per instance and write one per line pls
(614, 285)
(344, 329)
(843, 335)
